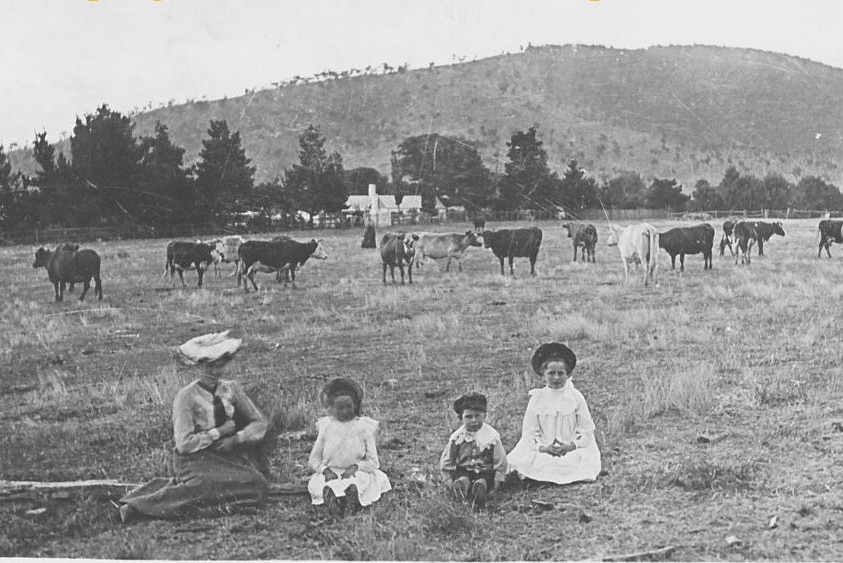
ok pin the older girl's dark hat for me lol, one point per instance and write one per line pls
(342, 386)
(553, 351)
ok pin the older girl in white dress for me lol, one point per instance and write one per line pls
(557, 437)
(344, 455)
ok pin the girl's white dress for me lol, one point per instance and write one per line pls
(556, 415)
(340, 445)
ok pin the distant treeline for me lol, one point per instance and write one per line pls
(114, 178)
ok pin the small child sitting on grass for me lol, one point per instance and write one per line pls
(474, 460)
(344, 455)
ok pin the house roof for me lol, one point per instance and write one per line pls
(411, 202)
(363, 202)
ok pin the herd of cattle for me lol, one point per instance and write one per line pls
(637, 244)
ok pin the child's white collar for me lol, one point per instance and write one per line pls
(483, 437)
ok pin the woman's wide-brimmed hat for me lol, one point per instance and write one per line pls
(342, 386)
(210, 348)
(473, 401)
(553, 351)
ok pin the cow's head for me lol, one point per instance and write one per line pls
(217, 251)
(204, 255)
(612, 239)
(42, 258)
(486, 235)
(474, 239)
(409, 243)
(318, 250)
(778, 229)
(68, 247)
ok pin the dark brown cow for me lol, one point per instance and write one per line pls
(397, 249)
(479, 224)
(584, 236)
(830, 232)
(187, 256)
(688, 240)
(509, 243)
(766, 230)
(70, 266)
(273, 256)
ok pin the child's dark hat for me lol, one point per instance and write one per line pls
(473, 401)
(341, 386)
(553, 351)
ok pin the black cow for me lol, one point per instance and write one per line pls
(398, 249)
(273, 256)
(509, 243)
(688, 240)
(726, 237)
(745, 236)
(479, 224)
(764, 231)
(584, 236)
(70, 266)
(830, 231)
(188, 256)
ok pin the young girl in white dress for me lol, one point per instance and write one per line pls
(344, 456)
(557, 436)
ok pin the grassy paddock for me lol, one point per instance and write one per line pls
(716, 396)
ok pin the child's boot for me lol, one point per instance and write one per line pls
(478, 493)
(352, 499)
(332, 503)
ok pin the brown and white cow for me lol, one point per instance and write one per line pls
(585, 236)
(187, 256)
(398, 249)
(274, 255)
(447, 245)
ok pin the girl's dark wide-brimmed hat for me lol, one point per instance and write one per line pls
(553, 351)
(342, 386)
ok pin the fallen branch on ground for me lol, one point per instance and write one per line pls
(655, 555)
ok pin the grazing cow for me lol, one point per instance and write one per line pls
(584, 236)
(187, 256)
(509, 243)
(224, 250)
(830, 231)
(297, 250)
(274, 255)
(688, 240)
(766, 230)
(726, 237)
(637, 244)
(70, 266)
(398, 249)
(745, 236)
(479, 224)
(449, 245)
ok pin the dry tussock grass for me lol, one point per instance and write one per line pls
(742, 356)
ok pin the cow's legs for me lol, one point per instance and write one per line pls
(533, 265)
(410, 272)
(181, 277)
(672, 261)
(760, 246)
(98, 287)
(56, 288)
(820, 248)
(201, 272)
(501, 259)
(511, 269)
(384, 273)
(681, 262)
(251, 276)
(401, 269)
(575, 252)
(85, 287)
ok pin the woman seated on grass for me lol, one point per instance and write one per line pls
(557, 436)
(344, 455)
(217, 429)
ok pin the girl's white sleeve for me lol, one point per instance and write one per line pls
(584, 432)
(315, 460)
(531, 431)
(370, 462)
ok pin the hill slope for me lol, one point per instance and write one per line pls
(684, 112)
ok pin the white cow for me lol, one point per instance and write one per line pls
(445, 245)
(638, 244)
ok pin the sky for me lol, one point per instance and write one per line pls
(64, 58)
